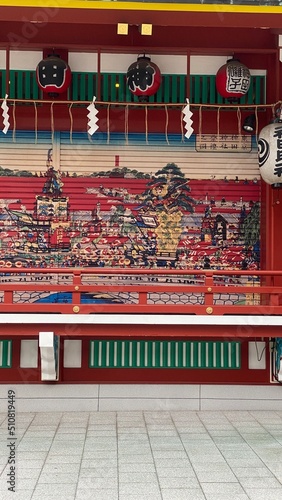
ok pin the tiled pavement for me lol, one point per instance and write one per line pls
(176, 455)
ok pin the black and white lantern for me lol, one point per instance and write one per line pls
(53, 75)
(270, 154)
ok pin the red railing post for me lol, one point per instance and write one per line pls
(76, 294)
(209, 290)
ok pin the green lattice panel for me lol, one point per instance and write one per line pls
(164, 354)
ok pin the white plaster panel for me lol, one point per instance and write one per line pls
(25, 60)
(2, 59)
(207, 65)
(83, 61)
(29, 354)
(119, 63)
(257, 359)
(72, 353)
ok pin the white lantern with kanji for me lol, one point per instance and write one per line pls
(270, 154)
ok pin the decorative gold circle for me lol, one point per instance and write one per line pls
(209, 310)
(76, 309)
(209, 289)
(76, 287)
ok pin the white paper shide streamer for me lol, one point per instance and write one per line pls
(187, 115)
(5, 115)
(92, 117)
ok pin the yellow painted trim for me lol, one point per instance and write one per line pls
(110, 5)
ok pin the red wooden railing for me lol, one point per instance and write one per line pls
(150, 291)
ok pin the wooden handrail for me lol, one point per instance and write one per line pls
(96, 290)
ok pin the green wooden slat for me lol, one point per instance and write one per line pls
(233, 354)
(74, 87)
(27, 86)
(90, 87)
(12, 85)
(174, 88)
(182, 88)
(105, 87)
(212, 89)
(112, 88)
(82, 87)
(226, 354)
(155, 354)
(188, 354)
(205, 86)
(35, 88)
(121, 88)
(6, 351)
(259, 89)
(19, 86)
(179, 354)
(166, 87)
(126, 353)
(196, 89)
(210, 355)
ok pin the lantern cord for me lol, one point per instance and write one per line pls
(200, 123)
(273, 111)
(239, 121)
(166, 124)
(108, 124)
(52, 121)
(14, 122)
(71, 122)
(256, 115)
(217, 122)
(126, 124)
(35, 122)
(146, 124)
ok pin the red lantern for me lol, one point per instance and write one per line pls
(143, 78)
(233, 80)
(53, 75)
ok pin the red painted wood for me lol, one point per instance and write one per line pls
(131, 376)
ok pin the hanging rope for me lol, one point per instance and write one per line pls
(146, 124)
(200, 123)
(52, 122)
(166, 125)
(14, 122)
(35, 121)
(239, 121)
(218, 122)
(71, 122)
(126, 124)
(256, 116)
(108, 124)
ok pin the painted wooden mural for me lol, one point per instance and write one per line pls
(68, 202)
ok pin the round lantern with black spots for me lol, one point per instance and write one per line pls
(53, 75)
